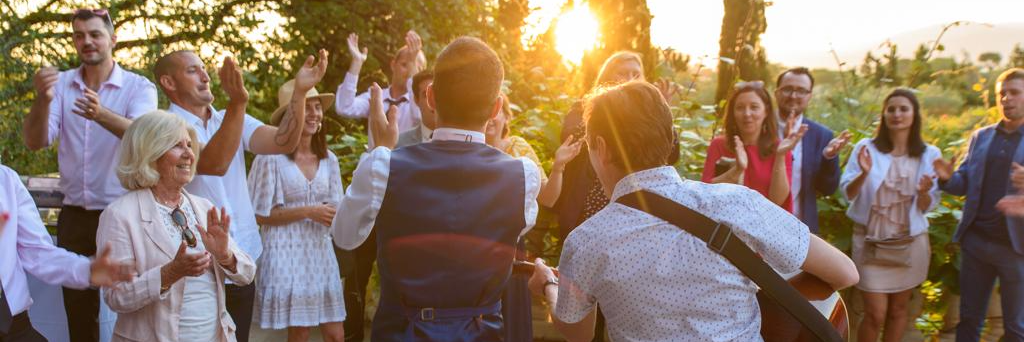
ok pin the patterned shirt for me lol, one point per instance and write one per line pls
(519, 148)
(656, 282)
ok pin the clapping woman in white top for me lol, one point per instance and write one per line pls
(889, 183)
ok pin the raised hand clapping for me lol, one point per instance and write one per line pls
(864, 160)
(383, 126)
(216, 235)
(836, 145)
(231, 81)
(792, 137)
(358, 55)
(310, 74)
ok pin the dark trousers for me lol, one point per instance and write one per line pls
(76, 232)
(516, 308)
(239, 302)
(982, 262)
(22, 331)
(356, 267)
(600, 329)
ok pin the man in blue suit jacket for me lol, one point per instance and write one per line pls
(991, 242)
(815, 158)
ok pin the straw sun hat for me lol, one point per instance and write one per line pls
(284, 96)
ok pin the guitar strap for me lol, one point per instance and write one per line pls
(719, 238)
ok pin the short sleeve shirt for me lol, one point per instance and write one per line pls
(229, 191)
(656, 282)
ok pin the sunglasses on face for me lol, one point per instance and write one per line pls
(750, 84)
(101, 12)
(181, 221)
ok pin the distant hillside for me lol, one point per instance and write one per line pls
(974, 39)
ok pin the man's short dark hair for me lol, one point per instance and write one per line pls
(635, 123)
(795, 71)
(167, 64)
(467, 78)
(417, 80)
(84, 14)
(1010, 75)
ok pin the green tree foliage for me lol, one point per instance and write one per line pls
(1016, 57)
(35, 34)
(990, 59)
(741, 55)
(624, 25)
(268, 37)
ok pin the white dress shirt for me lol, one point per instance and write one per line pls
(359, 207)
(25, 246)
(88, 153)
(425, 133)
(348, 105)
(229, 191)
(798, 155)
(655, 282)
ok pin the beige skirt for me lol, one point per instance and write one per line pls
(892, 279)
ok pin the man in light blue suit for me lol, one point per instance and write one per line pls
(992, 243)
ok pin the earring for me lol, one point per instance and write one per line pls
(319, 126)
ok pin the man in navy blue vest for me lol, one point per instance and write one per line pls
(992, 243)
(816, 157)
(447, 213)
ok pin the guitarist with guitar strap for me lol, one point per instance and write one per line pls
(679, 278)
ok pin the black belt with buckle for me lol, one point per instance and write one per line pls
(431, 314)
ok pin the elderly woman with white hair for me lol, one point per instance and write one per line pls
(181, 256)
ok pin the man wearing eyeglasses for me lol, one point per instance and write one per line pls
(87, 109)
(816, 157)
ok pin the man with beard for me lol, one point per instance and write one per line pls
(87, 108)
(221, 175)
(816, 157)
(992, 242)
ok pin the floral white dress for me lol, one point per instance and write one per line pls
(298, 282)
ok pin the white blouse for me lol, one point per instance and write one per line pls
(199, 314)
(860, 206)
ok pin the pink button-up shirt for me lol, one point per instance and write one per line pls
(25, 247)
(88, 154)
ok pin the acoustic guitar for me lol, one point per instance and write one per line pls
(777, 325)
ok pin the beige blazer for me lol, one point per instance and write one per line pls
(135, 233)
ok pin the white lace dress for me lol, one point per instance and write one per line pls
(298, 282)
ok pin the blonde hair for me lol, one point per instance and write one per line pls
(145, 141)
(612, 63)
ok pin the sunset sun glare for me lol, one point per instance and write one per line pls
(576, 33)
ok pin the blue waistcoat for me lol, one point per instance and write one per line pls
(446, 237)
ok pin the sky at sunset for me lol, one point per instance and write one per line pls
(801, 31)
